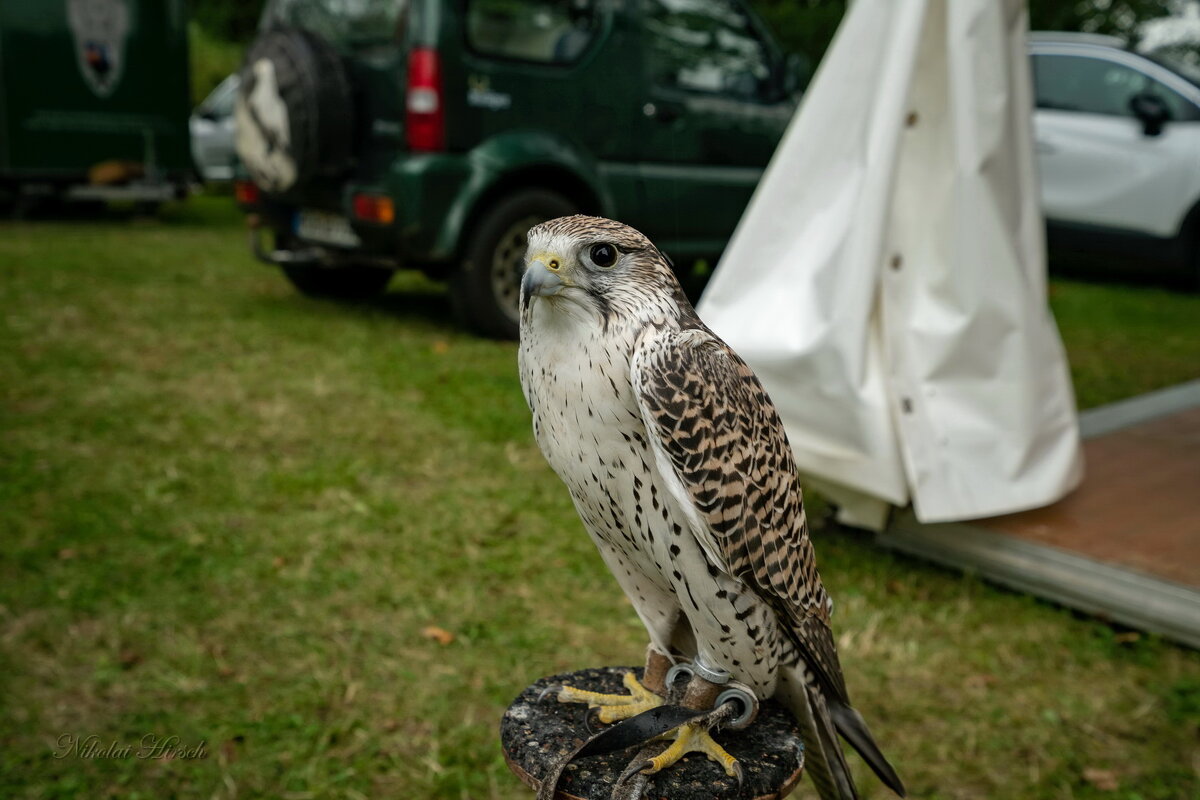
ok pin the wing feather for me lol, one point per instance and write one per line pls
(712, 423)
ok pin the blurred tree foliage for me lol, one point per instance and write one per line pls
(802, 26)
(231, 20)
(807, 26)
(1116, 17)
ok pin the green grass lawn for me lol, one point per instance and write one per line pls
(230, 514)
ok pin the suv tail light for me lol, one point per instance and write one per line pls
(374, 208)
(246, 193)
(425, 119)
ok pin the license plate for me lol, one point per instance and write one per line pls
(321, 226)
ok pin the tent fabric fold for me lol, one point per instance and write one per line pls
(888, 279)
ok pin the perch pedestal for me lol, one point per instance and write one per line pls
(537, 734)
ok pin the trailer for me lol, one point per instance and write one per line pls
(94, 101)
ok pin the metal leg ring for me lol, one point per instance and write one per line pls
(747, 703)
(682, 668)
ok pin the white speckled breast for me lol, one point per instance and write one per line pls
(587, 423)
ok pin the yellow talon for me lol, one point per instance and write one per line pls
(693, 738)
(614, 707)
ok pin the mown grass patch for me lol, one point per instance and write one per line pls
(1124, 341)
(230, 514)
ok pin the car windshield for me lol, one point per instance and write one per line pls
(1181, 59)
(219, 103)
(344, 21)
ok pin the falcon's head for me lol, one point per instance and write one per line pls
(599, 265)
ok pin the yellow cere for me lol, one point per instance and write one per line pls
(549, 259)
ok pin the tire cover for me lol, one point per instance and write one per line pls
(293, 115)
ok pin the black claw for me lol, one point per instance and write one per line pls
(632, 769)
(737, 773)
(553, 688)
(591, 720)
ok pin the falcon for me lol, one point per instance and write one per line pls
(681, 473)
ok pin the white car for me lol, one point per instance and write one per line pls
(211, 127)
(1117, 135)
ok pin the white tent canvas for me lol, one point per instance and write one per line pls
(887, 281)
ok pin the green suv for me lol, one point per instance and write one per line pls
(432, 134)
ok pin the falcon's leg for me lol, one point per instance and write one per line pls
(643, 695)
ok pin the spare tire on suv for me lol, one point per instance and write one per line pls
(294, 112)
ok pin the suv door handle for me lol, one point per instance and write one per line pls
(663, 112)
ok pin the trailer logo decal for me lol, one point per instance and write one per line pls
(99, 28)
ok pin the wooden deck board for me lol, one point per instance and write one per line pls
(1124, 546)
(1138, 506)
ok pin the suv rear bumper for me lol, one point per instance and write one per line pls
(304, 256)
(307, 254)
(431, 194)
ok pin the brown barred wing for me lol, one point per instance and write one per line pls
(711, 419)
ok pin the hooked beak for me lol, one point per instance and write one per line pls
(540, 280)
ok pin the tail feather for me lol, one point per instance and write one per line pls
(850, 725)
(824, 762)
(819, 718)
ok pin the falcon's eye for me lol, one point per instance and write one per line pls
(603, 255)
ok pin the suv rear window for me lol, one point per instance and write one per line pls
(706, 46)
(542, 31)
(339, 21)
